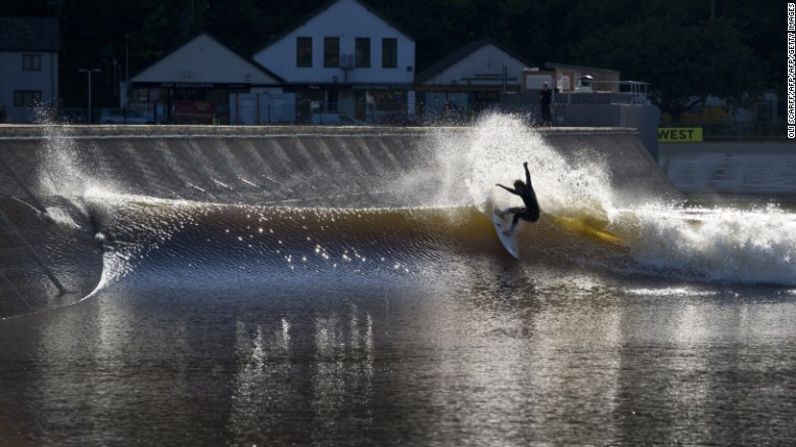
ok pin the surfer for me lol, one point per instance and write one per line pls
(525, 190)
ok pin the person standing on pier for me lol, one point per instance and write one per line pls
(545, 97)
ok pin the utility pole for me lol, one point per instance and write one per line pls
(126, 75)
(88, 71)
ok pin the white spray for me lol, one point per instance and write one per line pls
(493, 151)
(724, 245)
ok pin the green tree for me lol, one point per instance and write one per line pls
(684, 54)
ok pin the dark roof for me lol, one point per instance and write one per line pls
(250, 60)
(177, 47)
(579, 67)
(29, 34)
(454, 57)
(318, 12)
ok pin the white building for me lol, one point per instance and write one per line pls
(571, 78)
(28, 66)
(345, 59)
(469, 79)
(200, 79)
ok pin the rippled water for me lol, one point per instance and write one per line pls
(486, 354)
(624, 322)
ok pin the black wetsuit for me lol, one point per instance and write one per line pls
(525, 190)
(545, 98)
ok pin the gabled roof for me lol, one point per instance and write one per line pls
(318, 11)
(461, 53)
(29, 34)
(257, 66)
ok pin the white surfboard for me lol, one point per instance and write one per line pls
(502, 227)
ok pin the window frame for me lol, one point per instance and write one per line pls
(328, 57)
(26, 98)
(31, 62)
(393, 62)
(304, 58)
(366, 58)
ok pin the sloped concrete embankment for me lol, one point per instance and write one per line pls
(754, 168)
(298, 165)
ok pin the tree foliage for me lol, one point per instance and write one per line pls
(686, 49)
(684, 53)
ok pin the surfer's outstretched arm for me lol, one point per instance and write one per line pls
(513, 191)
(527, 174)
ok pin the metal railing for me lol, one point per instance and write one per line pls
(627, 92)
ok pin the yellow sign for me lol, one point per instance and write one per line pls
(680, 134)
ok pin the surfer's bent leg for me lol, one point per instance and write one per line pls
(533, 215)
(502, 213)
(514, 210)
(516, 219)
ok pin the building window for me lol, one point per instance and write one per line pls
(26, 98)
(304, 52)
(389, 53)
(362, 53)
(31, 62)
(331, 51)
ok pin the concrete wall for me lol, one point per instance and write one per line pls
(307, 166)
(763, 168)
(643, 117)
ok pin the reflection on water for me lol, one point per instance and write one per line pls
(493, 354)
(273, 322)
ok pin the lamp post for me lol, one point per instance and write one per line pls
(126, 75)
(88, 71)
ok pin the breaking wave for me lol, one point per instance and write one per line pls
(585, 223)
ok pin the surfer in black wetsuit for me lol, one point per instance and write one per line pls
(525, 190)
